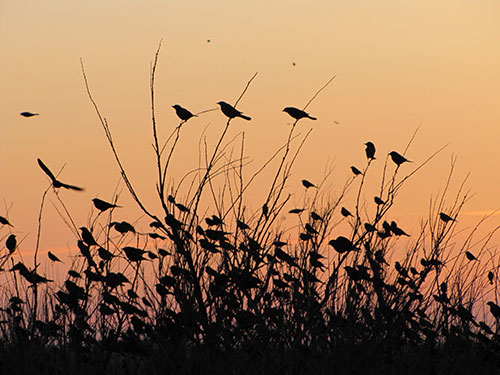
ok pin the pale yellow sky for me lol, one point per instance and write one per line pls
(399, 65)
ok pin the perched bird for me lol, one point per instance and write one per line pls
(103, 205)
(122, 227)
(378, 200)
(369, 227)
(397, 230)
(356, 171)
(31, 276)
(370, 150)
(315, 216)
(134, 254)
(11, 243)
(308, 184)
(74, 274)
(491, 277)
(470, 256)
(345, 212)
(87, 237)
(231, 112)
(265, 210)
(296, 211)
(445, 217)
(342, 244)
(297, 114)
(53, 258)
(495, 309)
(182, 113)
(56, 183)
(398, 159)
(4, 221)
(29, 114)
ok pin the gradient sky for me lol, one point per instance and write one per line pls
(399, 65)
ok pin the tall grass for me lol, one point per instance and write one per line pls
(229, 290)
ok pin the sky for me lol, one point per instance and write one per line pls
(399, 65)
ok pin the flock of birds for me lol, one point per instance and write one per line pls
(340, 244)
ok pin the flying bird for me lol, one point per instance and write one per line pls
(183, 113)
(56, 183)
(231, 112)
(308, 184)
(398, 159)
(370, 150)
(29, 114)
(53, 257)
(297, 114)
(103, 205)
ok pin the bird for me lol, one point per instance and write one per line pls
(296, 210)
(56, 183)
(122, 227)
(398, 159)
(4, 221)
(470, 256)
(103, 205)
(231, 112)
(308, 184)
(356, 171)
(315, 216)
(495, 309)
(11, 243)
(182, 113)
(134, 254)
(378, 200)
(53, 258)
(342, 244)
(29, 114)
(491, 277)
(345, 212)
(370, 150)
(87, 237)
(397, 230)
(297, 114)
(445, 217)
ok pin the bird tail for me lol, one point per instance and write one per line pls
(245, 117)
(312, 118)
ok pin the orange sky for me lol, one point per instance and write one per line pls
(399, 65)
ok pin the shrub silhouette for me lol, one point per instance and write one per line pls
(229, 291)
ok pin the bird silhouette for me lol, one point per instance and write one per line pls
(56, 183)
(345, 212)
(297, 114)
(53, 257)
(397, 230)
(29, 114)
(398, 159)
(491, 277)
(182, 113)
(103, 205)
(342, 244)
(122, 227)
(470, 256)
(296, 211)
(87, 237)
(356, 171)
(445, 217)
(4, 221)
(11, 243)
(495, 309)
(378, 200)
(231, 112)
(370, 150)
(308, 184)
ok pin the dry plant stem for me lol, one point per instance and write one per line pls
(107, 131)
(211, 163)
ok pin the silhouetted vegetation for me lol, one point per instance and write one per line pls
(229, 290)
